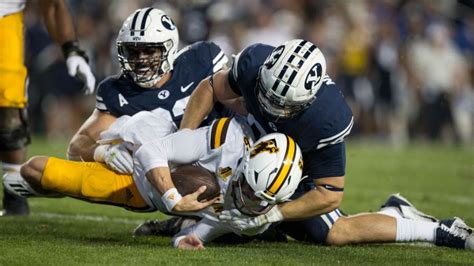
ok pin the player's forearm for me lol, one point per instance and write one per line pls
(312, 203)
(160, 178)
(199, 106)
(58, 20)
(206, 230)
(82, 148)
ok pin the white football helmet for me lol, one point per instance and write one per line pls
(290, 78)
(147, 44)
(269, 174)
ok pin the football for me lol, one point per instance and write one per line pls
(188, 178)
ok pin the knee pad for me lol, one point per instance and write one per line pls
(13, 135)
(314, 230)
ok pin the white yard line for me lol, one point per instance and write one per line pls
(87, 217)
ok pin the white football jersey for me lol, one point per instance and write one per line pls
(11, 6)
(218, 148)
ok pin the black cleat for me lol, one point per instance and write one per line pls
(454, 233)
(14, 205)
(168, 227)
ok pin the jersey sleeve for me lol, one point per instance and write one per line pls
(209, 55)
(245, 66)
(183, 147)
(218, 132)
(329, 161)
(102, 96)
(219, 58)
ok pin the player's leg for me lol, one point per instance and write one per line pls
(89, 181)
(380, 228)
(13, 138)
(314, 230)
(13, 128)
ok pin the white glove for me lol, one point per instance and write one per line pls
(241, 222)
(116, 156)
(77, 66)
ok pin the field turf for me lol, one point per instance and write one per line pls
(439, 180)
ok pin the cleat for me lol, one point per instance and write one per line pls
(454, 233)
(168, 227)
(14, 183)
(14, 205)
(406, 209)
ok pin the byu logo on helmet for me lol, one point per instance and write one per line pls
(273, 58)
(167, 22)
(314, 76)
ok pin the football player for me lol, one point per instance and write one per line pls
(14, 132)
(222, 148)
(286, 89)
(154, 76)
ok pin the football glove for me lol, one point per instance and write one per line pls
(116, 156)
(241, 222)
(77, 65)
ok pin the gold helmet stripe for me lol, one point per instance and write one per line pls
(285, 168)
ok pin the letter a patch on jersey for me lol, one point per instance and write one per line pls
(122, 100)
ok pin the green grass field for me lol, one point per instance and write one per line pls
(438, 180)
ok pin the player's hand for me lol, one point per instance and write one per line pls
(241, 222)
(190, 242)
(119, 159)
(190, 203)
(78, 67)
(116, 156)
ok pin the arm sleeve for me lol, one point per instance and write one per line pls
(206, 230)
(183, 147)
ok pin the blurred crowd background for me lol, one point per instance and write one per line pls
(406, 67)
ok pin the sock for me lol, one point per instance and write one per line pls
(412, 230)
(8, 167)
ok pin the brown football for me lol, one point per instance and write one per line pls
(188, 178)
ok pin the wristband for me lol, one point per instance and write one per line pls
(72, 48)
(171, 198)
(99, 153)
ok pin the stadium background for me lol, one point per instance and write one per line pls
(387, 56)
(405, 66)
